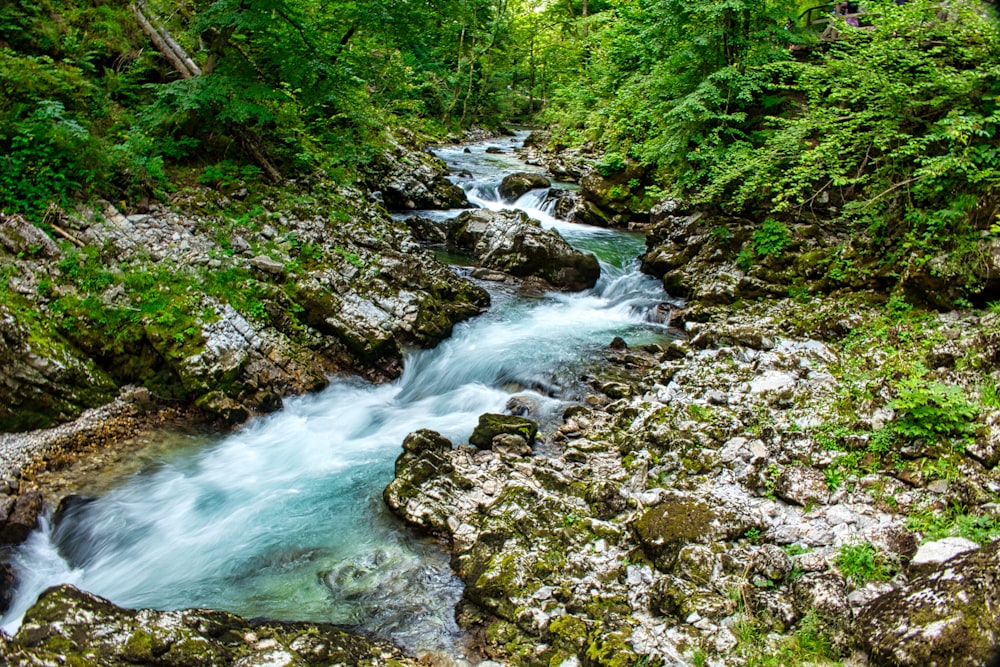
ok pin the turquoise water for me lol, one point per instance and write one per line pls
(284, 519)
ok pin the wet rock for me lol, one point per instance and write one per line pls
(492, 425)
(8, 583)
(19, 516)
(426, 441)
(944, 617)
(412, 179)
(516, 184)
(425, 458)
(69, 626)
(426, 230)
(511, 241)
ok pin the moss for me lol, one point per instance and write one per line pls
(491, 425)
(664, 529)
(611, 649)
(142, 646)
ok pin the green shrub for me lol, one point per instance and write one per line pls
(862, 562)
(932, 410)
(610, 164)
(771, 239)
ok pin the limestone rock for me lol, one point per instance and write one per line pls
(679, 520)
(516, 184)
(946, 616)
(67, 625)
(942, 550)
(511, 241)
(412, 179)
(802, 485)
(43, 377)
(825, 594)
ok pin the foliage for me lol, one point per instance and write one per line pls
(954, 521)
(862, 562)
(932, 410)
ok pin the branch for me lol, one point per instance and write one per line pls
(66, 235)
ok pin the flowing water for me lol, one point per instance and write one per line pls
(284, 518)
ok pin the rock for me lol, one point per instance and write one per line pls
(43, 377)
(510, 444)
(412, 179)
(494, 150)
(771, 562)
(492, 425)
(825, 594)
(679, 520)
(802, 485)
(946, 616)
(21, 238)
(22, 514)
(424, 441)
(618, 343)
(426, 230)
(69, 626)
(424, 458)
(511, 241)
(268, 265)
(516, 184)
(934, 553)
(774, 382)
(8, 582)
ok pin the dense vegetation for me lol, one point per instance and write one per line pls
(889, 130)
(269, 88)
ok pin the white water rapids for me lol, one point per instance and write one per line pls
(284, 518)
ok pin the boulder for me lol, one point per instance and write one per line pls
(69, 626)
(946, 616)
(424, 458)
(516, 184)
(664, 529)
(410, 179)
(493, 425)
(43, 377)
(511, 241)
(939, 551)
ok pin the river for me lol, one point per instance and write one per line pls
(284, 518)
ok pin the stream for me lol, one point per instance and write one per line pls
(284, 518)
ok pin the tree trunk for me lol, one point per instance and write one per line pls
(167, 47)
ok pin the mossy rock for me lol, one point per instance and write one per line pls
(947, 616)
(491, 425)
(70, 627)
(666, 528)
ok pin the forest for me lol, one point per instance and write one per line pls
(738, 104)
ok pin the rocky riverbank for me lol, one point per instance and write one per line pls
(801, 479)
(730, 500)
